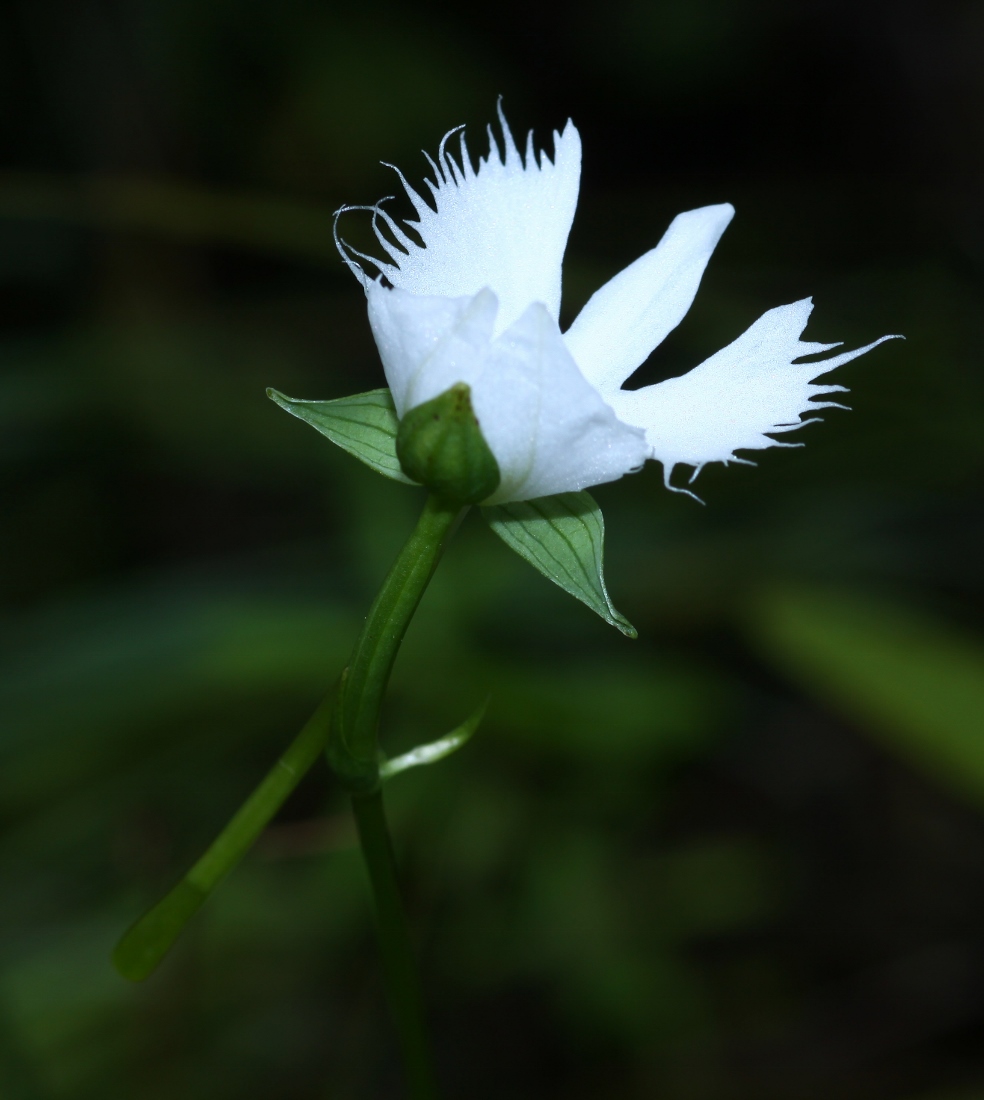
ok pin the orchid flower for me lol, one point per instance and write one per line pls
(475, 299)
(489, 403)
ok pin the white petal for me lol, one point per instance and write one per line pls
(634, 312)
(548, 428)
(504, 226)
(730, 401)
(428, 344)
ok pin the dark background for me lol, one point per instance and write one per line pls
(741, 858)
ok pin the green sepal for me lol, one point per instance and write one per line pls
(365, 425)
(434, 750)
(564, 537)
(440, 444)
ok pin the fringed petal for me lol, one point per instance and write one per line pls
(635, 311)
(504, 226)
(729, 403)
(470, 292)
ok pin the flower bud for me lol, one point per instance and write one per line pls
(440, 444)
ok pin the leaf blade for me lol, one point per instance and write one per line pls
(364, 425)
(563, 536)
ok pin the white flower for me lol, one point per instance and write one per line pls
(478, 302)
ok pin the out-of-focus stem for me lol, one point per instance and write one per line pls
(147, 942)
(396, 958)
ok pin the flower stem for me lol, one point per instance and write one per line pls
(395, 952)
(347, 720)
(353, 753)
(352, 749)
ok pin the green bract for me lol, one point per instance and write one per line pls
(562, 536)
(440, 445)
(365, 425)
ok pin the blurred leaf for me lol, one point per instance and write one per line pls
(625, 713)
(577, 925)
(713, 885)
(365, 425)
(564, 537)
(912, 680)
(66, 1004)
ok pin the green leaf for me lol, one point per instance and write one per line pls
(365, 425)
(914, 682)
(563, 536)
(434, 750)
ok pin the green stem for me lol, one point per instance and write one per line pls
(395, 952)
(353, 752)
(256, 812)
(346, 723)
(148, 941)
(352, 749)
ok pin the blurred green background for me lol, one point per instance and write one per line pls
(739, 859)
